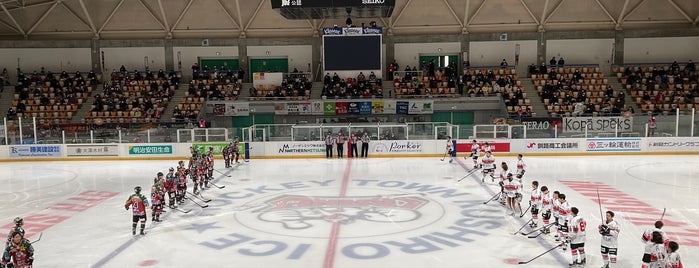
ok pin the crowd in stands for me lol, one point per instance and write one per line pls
(294, 86)
(577, 90)
(359, 87)
(215, 84)
(662, 88)
(50, 96)
(430, 81)
(134, 96)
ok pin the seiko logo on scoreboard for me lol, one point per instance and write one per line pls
(369, 2)
(286, 3)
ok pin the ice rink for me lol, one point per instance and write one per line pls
(343, 213)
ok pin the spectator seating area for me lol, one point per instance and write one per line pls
(294, 86)
(413, 84)
(577, 91)
(362, 86)
(487, 81)
(134, 97)
(661, 88)
(51, 97)
(223, 85)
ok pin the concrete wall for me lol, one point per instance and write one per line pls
(409, 54)
(134, 58)
(299, 55)
(489, 53)
(663, 49)
(53, 59)
(189, 55)
(581, 51)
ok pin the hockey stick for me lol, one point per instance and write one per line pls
(662, 216)
(468, 174)
(492, 198)
(525, 225)
(195, 202)
(222, 173)
(182, 210)
(206, 200)
(539, 229)
(599, 202)
(444, 156)
(524, 211)
(542, 254)
(220, 187)
(38, 239)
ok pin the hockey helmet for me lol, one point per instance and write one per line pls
(137, 189)
(160, 174)
(19, 221)
(172, 169)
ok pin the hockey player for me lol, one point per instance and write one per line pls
(647, 239)
(235, 149)
(546, 206)
(170, 186)
(503, 177)
(210, 166)
(194, 172)
(138, 204)
(610, 234)
(156, 198)
(656, 252)
(488, 165)
(565, 217)
(520, 167)
(17, 228)
(450, 149)
(513, 195)
(577, 237)
(19, 253)
(487, 147)
(475, 151)
(535, 202)
(673, 258)
(226, 153)
(555, 207)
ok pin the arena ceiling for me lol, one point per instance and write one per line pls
(128, 19)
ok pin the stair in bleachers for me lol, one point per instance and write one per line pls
(628, 100)
(537, 105)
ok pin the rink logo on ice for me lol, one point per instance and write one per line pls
(295, 212)
(389, 218)
(35, 151)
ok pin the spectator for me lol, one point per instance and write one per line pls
(561, 61)
(553, 61)
(503, 63)
(652, 126)
(202, 123)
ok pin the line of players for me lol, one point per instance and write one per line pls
(569, 226)
(200, 171)
(18, 251)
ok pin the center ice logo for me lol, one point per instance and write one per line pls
(301, 212)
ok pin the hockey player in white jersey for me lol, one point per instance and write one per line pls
(488, 165)
(450, 149)
(610, 235)
(475, 151)
(535, 202)
(565, 217)
(647, 239)
(656, 252)
(673, 258)
(520, 167)
(512, 187)
(577, 233)
(546, 206)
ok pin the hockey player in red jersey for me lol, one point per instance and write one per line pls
(235, 149)
(156, 198)
(210, 166)
(171, 186)
(138, 204)
(19, 253)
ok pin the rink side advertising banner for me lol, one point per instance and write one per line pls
(671, 144)
(92, 150)
(547, 145)
(300, 148)
(228, 108)
(150, 149)
(597, 124)
(613, 144)
(17, 151)
(395, 147)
